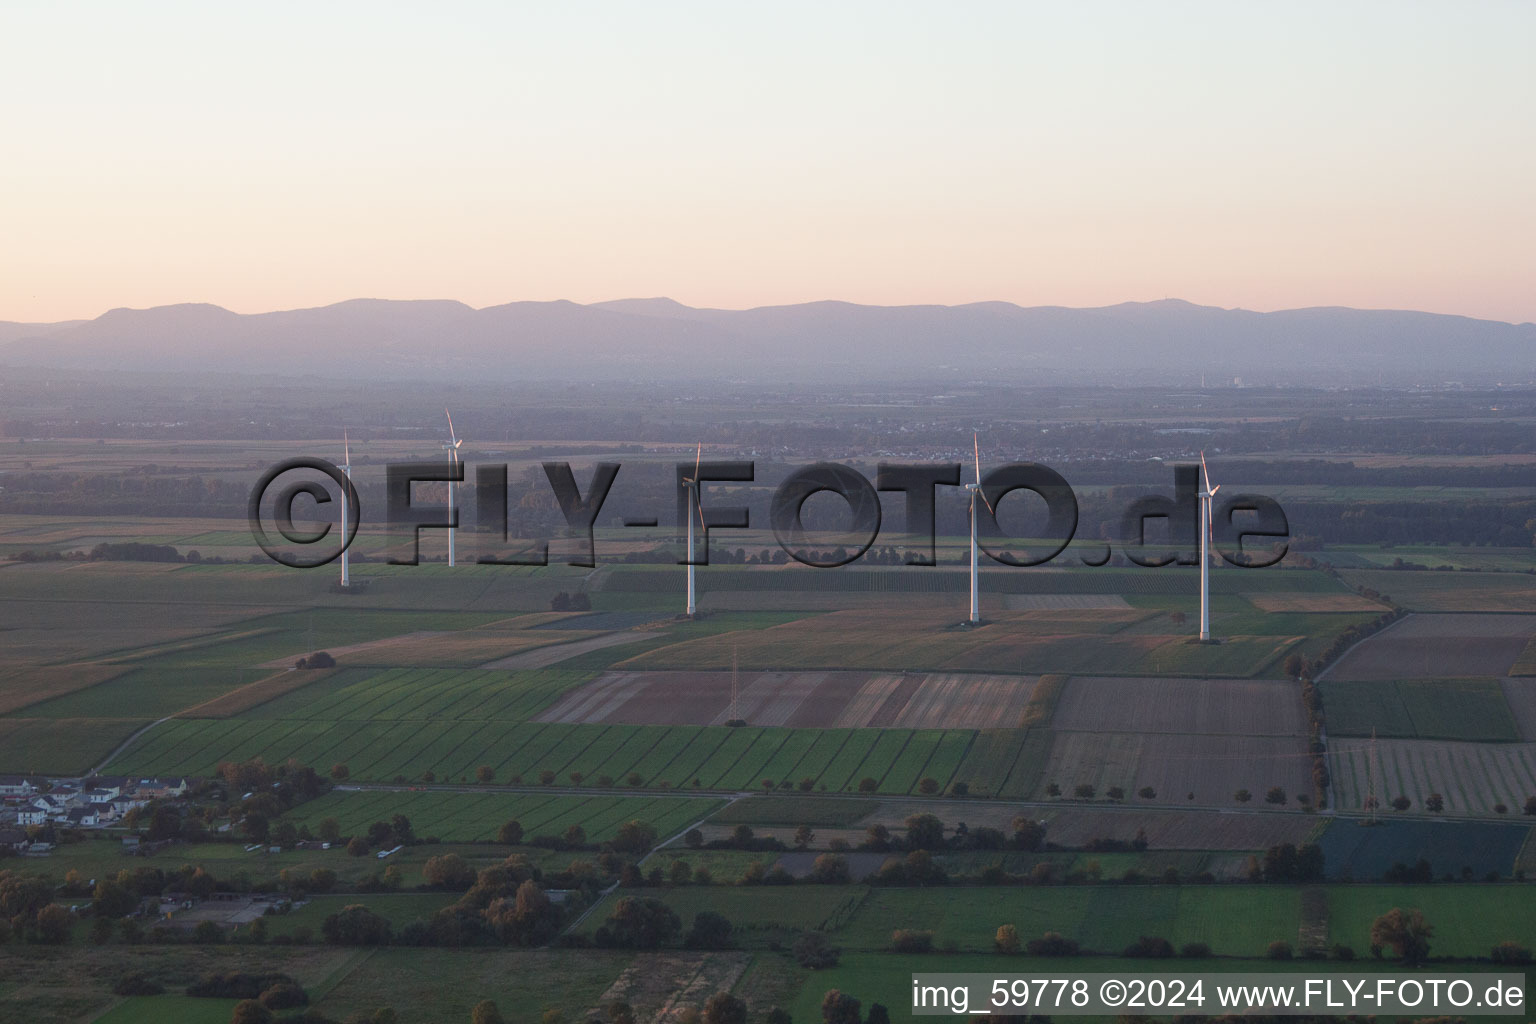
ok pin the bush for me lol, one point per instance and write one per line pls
(813, 952)
(249, 1011)
(1511, 953)
(356, 925)
(1052, 944)
(1279, 950)
(1195, 950)
(1149, 946)
(911, 940)
(1343, 952)
(285, 995)
(710, 931)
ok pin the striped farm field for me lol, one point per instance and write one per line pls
(1471, 777)
(1006, 762)
(798, 699)
(667, 757)
(435, 694)
(458, 817)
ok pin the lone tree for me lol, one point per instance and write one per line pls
(724, 1008)
(1007, 939)
(1275, 795)
(838, 1008)
(1294, 665)
(1406, 932)
(1435, 803)
(1242, 796)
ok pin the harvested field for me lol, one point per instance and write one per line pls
(21, 687)
(1250, 707)
(1471, 777)
(555, 653)
(1211, 768)
(1436, 626)
(1520, 695)
(821, 700)
(1525, 665)
(1283, 602)
(1450, 591)
(255, 694)
(1438, 646)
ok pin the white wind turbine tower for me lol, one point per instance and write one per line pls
(976, 492)
(1206, 492)
(451, 446)
(692, 484)
(345, 467)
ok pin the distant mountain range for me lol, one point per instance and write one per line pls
(641, 339)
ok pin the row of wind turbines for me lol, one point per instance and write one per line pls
(696, 510)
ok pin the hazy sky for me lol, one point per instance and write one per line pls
(1238, 154)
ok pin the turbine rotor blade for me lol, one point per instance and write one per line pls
(976, 448)
(346, 448)
(451, 435)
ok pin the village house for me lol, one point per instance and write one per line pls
(16, 787)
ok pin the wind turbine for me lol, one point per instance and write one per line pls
(451, 446)
(345, 467)
(692, 484)
(976, 492)
(1206, 493)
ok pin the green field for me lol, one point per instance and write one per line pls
(157, 1009)
(663, 756)
(1468, 920)
(1442, 709)
(1233, 920)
